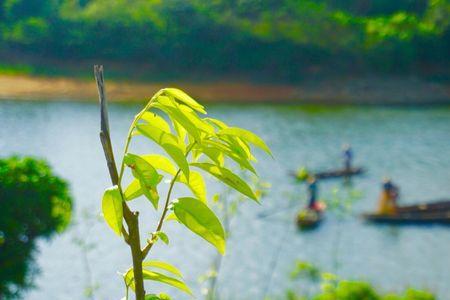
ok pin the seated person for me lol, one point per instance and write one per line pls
(388, 198)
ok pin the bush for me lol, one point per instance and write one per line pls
(34, 203)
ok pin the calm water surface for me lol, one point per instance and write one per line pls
(412, 145)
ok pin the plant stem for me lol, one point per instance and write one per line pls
(149, 245)
(131, 219)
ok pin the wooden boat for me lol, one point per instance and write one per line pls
(442, 205)
(331, 174)
(427, 213)
(339, 173)
(310, 218)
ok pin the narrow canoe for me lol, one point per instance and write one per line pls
(437, 206)
(339, 173)
(333, 173)
(442, 217)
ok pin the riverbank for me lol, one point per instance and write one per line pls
(336, 91)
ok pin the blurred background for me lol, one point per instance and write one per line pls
(307, 76)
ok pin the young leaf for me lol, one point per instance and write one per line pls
(219, 124)
(161, 163)
(213, 153)
(238, 146)
(181, 132)
(247, 136)
(155, 120)
(201, 220)
(185, 98)
(128, 277)
(161, 235)
(112, 209)
(227, 177)
(155, 276)
(199, 123)
(171, 217)
(133, 190)
(147, 176)
(172, 109)
(161, 296)
(163, 266)
(196, 184)
(169, 143)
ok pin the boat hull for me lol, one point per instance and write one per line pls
(339, 173)
(309, 219)
(410, 218)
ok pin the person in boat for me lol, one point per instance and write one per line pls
(348, 156)
(312, 192)
(388, 198)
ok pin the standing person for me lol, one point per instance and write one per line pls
(388, 198)
(312, 192)
(348, 156)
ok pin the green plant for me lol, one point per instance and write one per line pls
(34, 204)
(189, 142)
(333, 287)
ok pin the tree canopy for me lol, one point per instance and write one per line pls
(34, 204)
(283, 37)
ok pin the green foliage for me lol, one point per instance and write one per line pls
(334, 288)
(274, 37)
(112, 209)
(35, 204)
(307, 270)
(188, 140)
(196, 216)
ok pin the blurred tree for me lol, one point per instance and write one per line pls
(281, 38)
(34, 203)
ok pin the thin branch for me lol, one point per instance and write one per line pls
(163, 216)
(151, 242)
(104, 126)
(132, 237)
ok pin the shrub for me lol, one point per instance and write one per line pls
(34, 203)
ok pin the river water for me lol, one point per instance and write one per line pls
(411, 145)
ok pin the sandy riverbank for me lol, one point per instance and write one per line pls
(338, 91)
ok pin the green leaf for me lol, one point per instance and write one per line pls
(199, 123)
(161, 235)
(133, 190)
(128, 277)
(147, 176)
(169, 143)
(238, 156)
(155, 120)
(171, 108)
(161, 296)
(196, 184)
(155, 276)
(185, 98)
(162, 266)
(239, 147)
(201, 220)
(219, 124)
(181, 132)
(160, 162)
(227, 177)
(112, 209)
(213, 153)
(171, 217)
(247, 136)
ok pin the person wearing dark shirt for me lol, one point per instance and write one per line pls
(348, 156)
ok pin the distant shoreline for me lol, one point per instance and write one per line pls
(395, 91)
